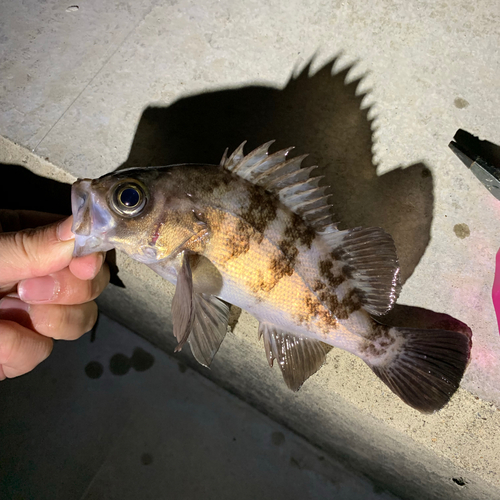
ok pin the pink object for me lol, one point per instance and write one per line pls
(495, 293)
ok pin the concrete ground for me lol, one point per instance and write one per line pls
(119, 419)
(94, 86)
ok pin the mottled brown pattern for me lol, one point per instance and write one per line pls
(318, 285)
(333, 304)
(262, 209)
(337, 253)
(352, 302)
(314, 309)
(341, 309)
(378, 332)
(290, 251)
(258, 285)
(239, 242)
(297, 231)
(378, 341)
(283, 265)
(325, 271)
(207, 181)
(347, 271)
(279, 267)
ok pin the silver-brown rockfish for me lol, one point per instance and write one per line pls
(257, 231)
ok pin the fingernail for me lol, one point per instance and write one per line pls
(100, 261)
(38, 289)
(11, 303)
(96, 267)
(64, 232)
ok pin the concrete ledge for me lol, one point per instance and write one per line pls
(180, 81)
(343, 409)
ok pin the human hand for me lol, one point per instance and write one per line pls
(45, 293)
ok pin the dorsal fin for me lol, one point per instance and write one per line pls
(294, 185)
(372, 264)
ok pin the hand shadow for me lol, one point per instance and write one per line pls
(320, 115)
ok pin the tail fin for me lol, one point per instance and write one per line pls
(426, 369)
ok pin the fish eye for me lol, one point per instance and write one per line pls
(128, 199)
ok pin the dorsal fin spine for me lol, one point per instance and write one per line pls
(300, 187)
(274, 179)
(293, 177)
(327, 220)
(255, 158)
(293, 185)
(277, 158)
(224, 158)
(308, 193)
(316, 213)
(236, 157)
(316, 202)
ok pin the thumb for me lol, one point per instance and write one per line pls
(35, 252)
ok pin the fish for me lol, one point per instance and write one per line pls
(257, 231)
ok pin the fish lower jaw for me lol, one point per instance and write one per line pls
(86, 245)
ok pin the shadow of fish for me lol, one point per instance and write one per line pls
(257, 231)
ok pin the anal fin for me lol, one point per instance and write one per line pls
(298, 357)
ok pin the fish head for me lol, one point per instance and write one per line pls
(139, 211)
(113, 211)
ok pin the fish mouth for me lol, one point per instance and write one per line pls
(80, 195)
(89, 238)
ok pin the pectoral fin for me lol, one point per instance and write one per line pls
(197, 314)
(183, 309)
(209, 327)
(298, 357)
(208, 324)
(206, 277)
